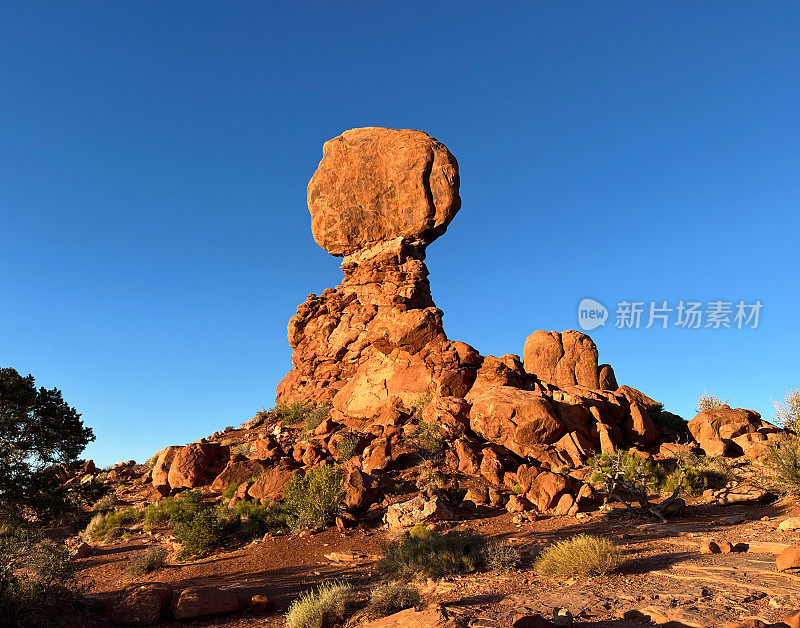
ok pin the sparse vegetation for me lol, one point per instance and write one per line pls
(420, 403)
(147, 561)
(35, 573)
(431, 479)
(501, 556)
(347, 446)
(632, 478)
(783, 464)
(662, 418)
(694, 474)
(326, 606)
(391, 597)
(787, 414)
(580, 555)
(313, 500)
(428, 441)
(709, 402)
(425, 553)
(111, 525)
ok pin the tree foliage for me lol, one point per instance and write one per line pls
(39, 434)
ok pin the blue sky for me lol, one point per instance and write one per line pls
(154, 158)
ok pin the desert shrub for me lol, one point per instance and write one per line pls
(709, 402)
(326, 606)
(424, 553)
(159, 514)
(662, 418)
(105, 504)
(501, 556)
(36, 574)
(421, 402)
(313, 415)
(430, 480)
(313, 500)
(229, 492)
(428, 441)
(782, 462)
(391, 597)
(347, 446)
(694, 474)
(246, 520)
(579, 555)
(787, 413)
(147, 561)
(195, 524)
(288, 413)
(111, 525)
(242, 449)
(632, 478)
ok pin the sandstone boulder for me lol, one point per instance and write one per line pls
(564, 359)
(375, 184)
(271, 483)
(141, 604)
(515, 419)
(434, 616)
(417, 510)
(197, 464)
(236, 473)
(606, 378)
(714, 429)
(160, 473)
(195, 602)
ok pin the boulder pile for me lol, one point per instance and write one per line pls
(518, 430)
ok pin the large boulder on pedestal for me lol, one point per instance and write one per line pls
(375, 184)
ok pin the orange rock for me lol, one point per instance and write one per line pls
(564, 359)
(375, 184)
(789, 558)
(709, 547)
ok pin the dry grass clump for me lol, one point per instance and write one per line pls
(147, 561)
(709, 402)
(424, 553)
(501, 556)
(324, 607)
(579, 555)
(391, 597)
(787, 414)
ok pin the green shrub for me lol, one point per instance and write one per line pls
(159, 514)
(242, 449)
(694, 474)
(709, 402)
(313, 415)
(313, 500)
(783, 464)
(428, 441)
(430, 480)
(580, 555)
(662, 418)
(110, 526)
(390, 598)
(36, 574)
(347, 446)
(325, 607)
(787, 414)
(105, 504)
(147, 561)
(501, 556)
(247, 520)
(424, 553)
(421, 402)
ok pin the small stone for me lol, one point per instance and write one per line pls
(261, 604)
(787, 525)
(709, 547)
(725, 547)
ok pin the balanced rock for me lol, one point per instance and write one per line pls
(374, 185)
(564, 359)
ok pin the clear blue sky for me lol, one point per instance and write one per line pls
(154, 158)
